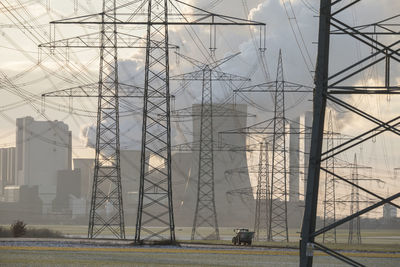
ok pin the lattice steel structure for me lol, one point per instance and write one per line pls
(354, 224)
(107, 169)
(205, 216)
(106, 208)
(106, 189)
(155, 191)
(276, 127)
(155, 211)
(156, 133)
(328, 88)
(261, 222)
(278, 227)
(329, 194)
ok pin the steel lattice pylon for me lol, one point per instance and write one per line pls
(354, 224)
(329, 196)
(106, 209)
(155, 191)
(107, 170)
(278, 226)
(261, 222)
(206, 213)
(155, 211)
(205, 222)
(275, 127)
(330, 85)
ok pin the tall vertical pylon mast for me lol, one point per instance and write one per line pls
(106, 209)
(330, 194)
(355, 224)
(155, 191)
(278, 227)
(335, 85)
(107, 170)
(205, 222)
(261, 222)
(206, 213)
(275, 127)
(106, 212)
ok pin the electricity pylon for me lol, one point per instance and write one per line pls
(106, 208)
(107, 159)
(205, 216)
(330, 196)
(156, 137)
(354, 224)
(278, 227)
(155, 210)
(330, 86)
(261, 222)
(278, 223)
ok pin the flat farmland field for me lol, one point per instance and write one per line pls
(173, 256)
(369, 236)
(379, 248)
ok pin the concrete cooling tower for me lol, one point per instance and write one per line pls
(231, 212)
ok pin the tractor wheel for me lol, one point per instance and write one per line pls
(249, 243)
(234, 241)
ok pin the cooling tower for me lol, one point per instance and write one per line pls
(231, 212)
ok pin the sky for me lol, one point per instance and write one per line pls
(292, 26)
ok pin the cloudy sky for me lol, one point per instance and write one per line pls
(292, 26)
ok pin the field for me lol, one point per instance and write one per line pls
(380, 248)
(172, 256)
(373, 237)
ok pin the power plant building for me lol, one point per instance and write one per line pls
(7, 167)
(42, 149)
(294, 160)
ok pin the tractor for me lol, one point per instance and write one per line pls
(243, 236)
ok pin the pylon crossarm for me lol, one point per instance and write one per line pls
(217, 111)
(211, 63)
(178, 19)
(92, 40)
(223, 76)
(217, 146)
(92, 90)
(378, 28)
(270, 87)
(266, 128)
(206, 17)
(257, 128)
(190, 76)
